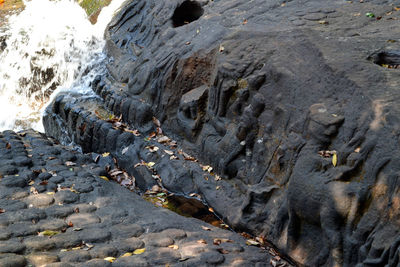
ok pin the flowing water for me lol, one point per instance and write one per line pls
(48, 47)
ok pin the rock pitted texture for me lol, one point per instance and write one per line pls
(55, 210)
(268, 93)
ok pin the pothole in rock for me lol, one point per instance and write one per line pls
(185, 206)
(186, 13)
(387, 59)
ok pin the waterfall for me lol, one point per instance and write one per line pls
(50, 47)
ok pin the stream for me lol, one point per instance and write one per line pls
(46, 47)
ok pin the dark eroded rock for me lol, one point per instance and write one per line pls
(266, 93)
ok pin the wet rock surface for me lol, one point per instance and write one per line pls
(45, 226)
(292, 103)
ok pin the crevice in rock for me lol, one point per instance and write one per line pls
(387, 59)
(186, 13)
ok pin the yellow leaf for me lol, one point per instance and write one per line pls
(334, 160)
(104, 178)
(48, 233)
(139, 251)
(128, 254)
(251, 242)
(150, 164)
(105, 154)
(50, 193)
(174, 246)
(110, 259)
(73, 190)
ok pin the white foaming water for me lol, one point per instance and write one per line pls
(51, 47)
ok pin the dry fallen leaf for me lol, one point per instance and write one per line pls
(207, 168)
(188, 157)
(104, 178)
(142, 163)
(125, 150)
(222, 251)
(251, 242)
(139, 251)
(206, 228)
(134, 132)
(88, 246)
(106, 154)
(2, 211)
(152, 149)
(48, 233)
(151, 164)
(163, 139)
(70, 163)
(169, 152)
(201, 241)
(128, 254)
(156, 188)
(218, 241)
(217, 178)
(33, 190)
(174, 246)
(8, 146)
(326, 153)
(260, 240)
(110, 259)
(156, 122)
(334, 160)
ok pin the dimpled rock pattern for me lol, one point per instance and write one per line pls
(42, 225)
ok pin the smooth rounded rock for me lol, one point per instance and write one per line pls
(65, 197)
(45, 176)
(11, 247)
(39, 259)
(12, 260)
(14, 181)
(40, 200)
(83, 219)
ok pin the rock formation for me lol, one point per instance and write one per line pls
(267, 93)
